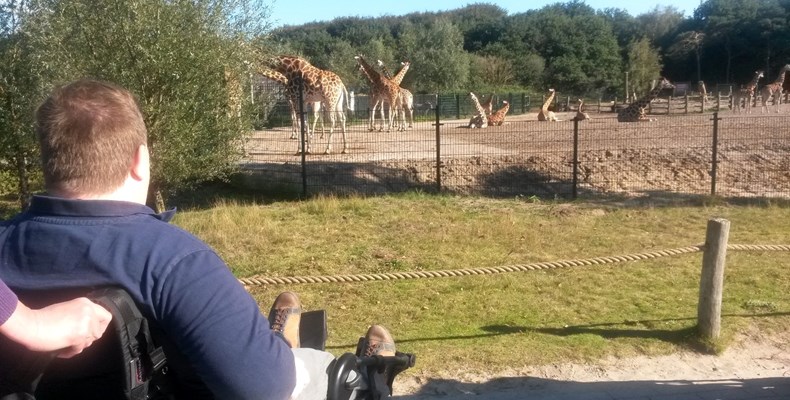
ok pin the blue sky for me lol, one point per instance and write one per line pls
(296, 12)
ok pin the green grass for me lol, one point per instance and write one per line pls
(509, 320)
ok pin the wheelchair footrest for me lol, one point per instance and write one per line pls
(367, 377)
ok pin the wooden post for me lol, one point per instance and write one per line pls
(712, 280)
(686, 106)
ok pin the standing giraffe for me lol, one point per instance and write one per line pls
(295, 122)
(580, 115)
(746, 94)
(382, 88)
(774, 89)
(635, 112)
(498, 118)
(320, 86)
(407, 99)
(479, 120)
(545, 114)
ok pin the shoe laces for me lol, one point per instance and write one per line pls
(280, 318)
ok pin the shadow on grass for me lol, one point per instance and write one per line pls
(684, 337)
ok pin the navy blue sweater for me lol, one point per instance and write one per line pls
(213, 324)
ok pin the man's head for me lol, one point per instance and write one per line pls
(92, 138)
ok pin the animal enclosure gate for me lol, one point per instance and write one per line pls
(732, 155)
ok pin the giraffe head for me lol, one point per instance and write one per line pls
(664, 83)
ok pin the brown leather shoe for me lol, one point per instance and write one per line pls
(285, 316)
(377, 341)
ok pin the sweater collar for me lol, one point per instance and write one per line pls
(48, 205)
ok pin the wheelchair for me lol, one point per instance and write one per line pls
(128, 363)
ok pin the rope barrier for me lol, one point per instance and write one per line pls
(291, 280)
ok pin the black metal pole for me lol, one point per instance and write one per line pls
(303, 137)
(574, 190)
(715, 156)
(438, 125)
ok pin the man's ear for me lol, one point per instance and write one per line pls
(141, 164)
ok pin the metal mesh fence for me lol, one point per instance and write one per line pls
(676, 153)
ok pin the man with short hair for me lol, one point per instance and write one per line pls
(92, 229)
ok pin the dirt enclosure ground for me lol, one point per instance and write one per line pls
(671, 154)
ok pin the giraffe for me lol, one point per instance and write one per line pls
(295, 122)
(320, 86)
(479, 120)
(498, 118)
(580, 115)
(407, 99)
(635, 112)
(382, 88)
(746, 94)
(774, 89)
(545, 114)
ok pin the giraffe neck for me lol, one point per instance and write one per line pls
(780, 80)
(478, 107)
(754, 81)
(644, 101)
(372, 74)
(546, 104)
(398, 78)
(274, 75)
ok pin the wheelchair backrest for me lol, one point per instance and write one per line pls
(122, 364)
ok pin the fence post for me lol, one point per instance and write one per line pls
(523, 103)
(574, 190)
(439, 145)
(711, 283)
(718, 100)
(669, 104)
(714, 162)
(303, 137)
(457, 107)
(686, 107)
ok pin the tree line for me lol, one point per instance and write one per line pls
(567, 46)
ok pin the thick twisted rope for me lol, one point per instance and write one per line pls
(290, 280)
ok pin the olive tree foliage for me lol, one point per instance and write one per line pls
(644, 65)
(187, 61)
(20, 91)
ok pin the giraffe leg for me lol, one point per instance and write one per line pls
(331, 132)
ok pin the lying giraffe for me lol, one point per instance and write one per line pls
(746, 94)
(774, 89)
(479, 120)
(498, 118)
(545, 114)
(635, 112)
(407, 99)
(580, 115)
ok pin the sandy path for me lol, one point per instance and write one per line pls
(751, 368)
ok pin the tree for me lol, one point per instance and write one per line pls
(439, 62)
(644, 65)
(689, 42)
(20, 92)
(187, 62)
